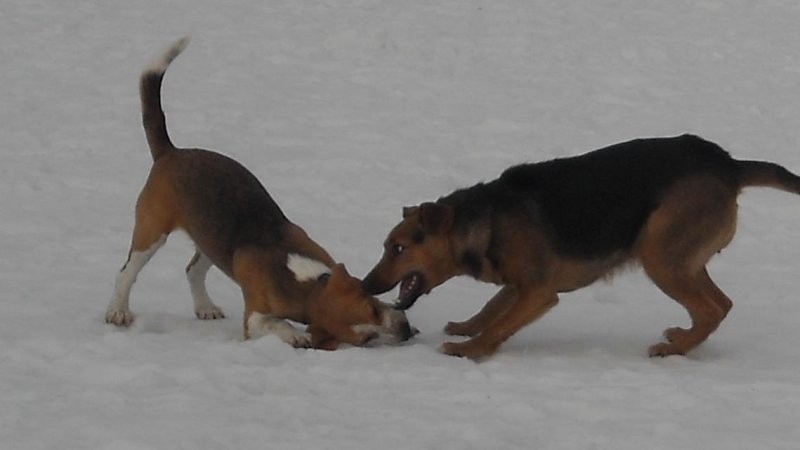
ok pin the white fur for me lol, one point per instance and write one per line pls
(118, 311)
(304, 268)
(366, 328)
(159, 65)
(384, 331)
(263, 324)
(204, 308)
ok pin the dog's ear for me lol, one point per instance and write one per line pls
(435, 217)
(339, 271)
(321, 339)
(409, 210)
(339, 277)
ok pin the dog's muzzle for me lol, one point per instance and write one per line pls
(393, 329)
(372, 285)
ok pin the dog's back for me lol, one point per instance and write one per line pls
(214, 196)
(596, 203)
(215, 199)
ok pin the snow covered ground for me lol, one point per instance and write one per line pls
(347, 110)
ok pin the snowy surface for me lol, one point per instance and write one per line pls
(347, 110)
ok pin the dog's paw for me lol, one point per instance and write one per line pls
(120, 318)
(459, 329)
(209, 312)
(259, 324)
(291, 335)
(468, 349)
(299, 339)
(675, 334)
(663, 349)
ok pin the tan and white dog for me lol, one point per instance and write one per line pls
(239, 228)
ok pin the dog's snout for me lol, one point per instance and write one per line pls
(373, 285)
(401, 328)
(369, 285)
(408, 332)
(405, 331)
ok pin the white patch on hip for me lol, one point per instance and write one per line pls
(304, 268)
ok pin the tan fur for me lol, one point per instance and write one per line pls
(695, 219)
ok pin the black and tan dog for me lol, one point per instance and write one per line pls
(540, 229)
(237, 227)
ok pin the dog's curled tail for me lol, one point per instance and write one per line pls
(155, 125)
(767, 174)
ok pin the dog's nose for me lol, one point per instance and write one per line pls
(400, 329)
(405, 331)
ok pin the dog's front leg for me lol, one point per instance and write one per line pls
(493, 309)
(250, 270)
(532, 303)
(257, 325)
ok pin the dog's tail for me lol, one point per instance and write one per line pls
(767, 174)
(155, 125)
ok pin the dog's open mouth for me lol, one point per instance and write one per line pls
(412, 286)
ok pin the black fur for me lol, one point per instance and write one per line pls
(243, 210)
(592, 205)
(472, 260)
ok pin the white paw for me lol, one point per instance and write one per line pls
(118, 317)
(209, 312)
(264, 324)
(298, 340)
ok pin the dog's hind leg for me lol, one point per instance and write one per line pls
(155, 219)
(706, 316)
(701, 298)
(693, 223)
(196, 271)
(496, 306)
(118, 311)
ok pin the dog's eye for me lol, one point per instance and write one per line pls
(397, 249)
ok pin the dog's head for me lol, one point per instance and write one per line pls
(417, 254)
(342, 312)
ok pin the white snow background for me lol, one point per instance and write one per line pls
(348, 110)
